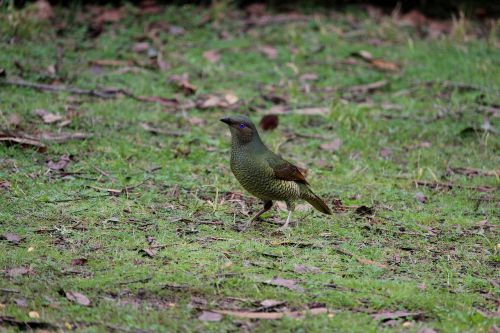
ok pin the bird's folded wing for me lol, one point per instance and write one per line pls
(285, 170)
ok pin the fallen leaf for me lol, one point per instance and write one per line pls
(77, 298)
(387, 315)
(420, 197)
(365, 261)
(376, 63)
(5, 184)
(216, 101)
(385, 152)
(195, 121)
(210, 316)
(331, 146)
(21, 302)
(421, 286)
(60, 165)
(364, 211)
(269, 122)
(287, 283)
(150, 252)
(182, 82)
(18, 271)
(308, 77)
(338, 206)
(11, 238)
(306, 269)
(47, 117)
(78, 261)
(34, 314)
(110, 15)
(141, 47)
(269, 51)
(366, 88)
(170, 102)
(211, 55)
(271, 315)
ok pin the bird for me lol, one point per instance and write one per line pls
(265, 174)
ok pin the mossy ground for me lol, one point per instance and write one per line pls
(434, 257)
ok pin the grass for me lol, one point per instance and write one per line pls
(430, 257)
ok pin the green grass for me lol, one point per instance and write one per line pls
(428, 257)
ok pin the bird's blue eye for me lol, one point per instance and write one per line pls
(242, 125)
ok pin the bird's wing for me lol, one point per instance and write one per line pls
(285, 170)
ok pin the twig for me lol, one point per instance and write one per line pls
(457, 85)
(110, 93)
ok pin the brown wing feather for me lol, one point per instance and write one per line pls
(290, 172)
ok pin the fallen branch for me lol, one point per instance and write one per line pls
(105, 93)
(457, 85)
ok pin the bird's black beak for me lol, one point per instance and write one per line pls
(226, 120)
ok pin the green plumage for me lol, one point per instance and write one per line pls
(263, 173)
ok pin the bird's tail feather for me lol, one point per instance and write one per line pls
(314, 200)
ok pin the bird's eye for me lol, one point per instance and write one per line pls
(242, 125)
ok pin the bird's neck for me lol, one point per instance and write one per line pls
(255, 144)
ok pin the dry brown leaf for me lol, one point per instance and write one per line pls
(365, 88)
(306, 269)
(170, 102)
(385, 152)
(78, 261)
(108, 15)
(269, 122)
(269, 51)
(141, 47)
(11, 238)
(365, 261)
(331, 146)
(308, 77)
(18, 271)
(61, 164)
(272, 315)
(379, 64)
(5, 184)
(287, 283)
(182, 82)
(47, 117)
(420, 197)
(212, 55)
(77, 298)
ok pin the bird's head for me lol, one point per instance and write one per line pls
(241, 127)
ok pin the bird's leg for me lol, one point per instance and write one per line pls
(290, 205)
(267, 206)
(287, 222)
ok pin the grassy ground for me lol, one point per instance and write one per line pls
(178, 199)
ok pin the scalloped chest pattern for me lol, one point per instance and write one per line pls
(257, 177)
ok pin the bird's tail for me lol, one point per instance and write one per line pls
(314, 200)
